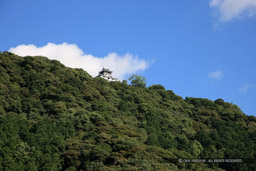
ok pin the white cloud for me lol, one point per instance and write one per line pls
(216, 75)
(230, 9)
(246, 87)
(72, 56)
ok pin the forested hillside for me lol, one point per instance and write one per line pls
(57, 118)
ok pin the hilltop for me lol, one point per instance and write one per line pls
(57, 118)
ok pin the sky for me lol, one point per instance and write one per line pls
(199, 48)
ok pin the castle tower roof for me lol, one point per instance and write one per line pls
(105, 70)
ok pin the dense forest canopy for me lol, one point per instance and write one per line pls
(57, 118)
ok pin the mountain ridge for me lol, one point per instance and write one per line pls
(57, 118)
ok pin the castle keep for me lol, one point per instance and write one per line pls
(107, 75)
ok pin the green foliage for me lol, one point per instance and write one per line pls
(157, 87)
(138, 81)
(219, 101)
(56, 118)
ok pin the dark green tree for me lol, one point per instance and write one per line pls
(138, 81)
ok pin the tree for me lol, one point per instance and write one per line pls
(219, 101)
(138, 81)
(157, 87)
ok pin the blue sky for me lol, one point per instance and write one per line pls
(200, 48)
